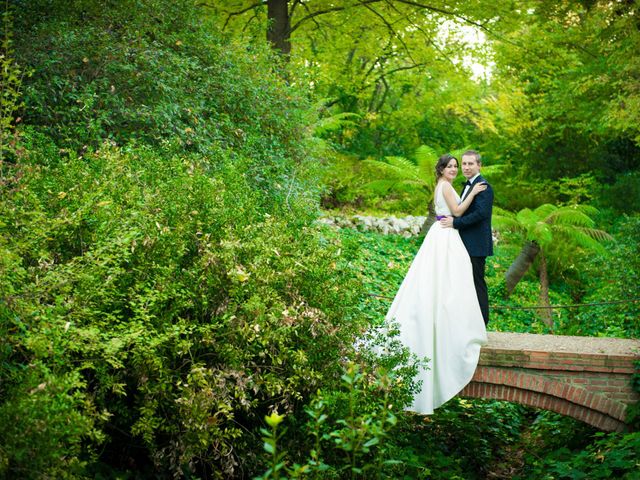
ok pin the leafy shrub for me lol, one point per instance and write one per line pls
(612, 455)
(152, 70)
(351, 429)
(164, 310)
(612, 278)
(11, 75)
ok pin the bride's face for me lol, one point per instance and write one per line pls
(450, 172)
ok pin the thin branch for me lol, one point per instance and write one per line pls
(380, 78)
(318, 26)
(246, 25)
(393, 32)
(427, 37)
(240, 12)
(329, 10)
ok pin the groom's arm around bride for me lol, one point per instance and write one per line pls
(475, 227)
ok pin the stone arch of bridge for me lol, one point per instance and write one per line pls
(586, 378)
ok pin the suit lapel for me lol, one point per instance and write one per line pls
(478, 179)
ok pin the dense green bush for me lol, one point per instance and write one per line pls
(152, 70)
(611, 278)
(612, 455)
(163, 286)
(160, 311)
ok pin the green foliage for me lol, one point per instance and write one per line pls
(164, 309)
(568, 67)
(624, 194)
(464, 439)
(612, 455)
(11, 75)
(151, 71)
(381, 262)
(611, 278)
(351, 429)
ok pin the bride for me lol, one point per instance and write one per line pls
(436, 307)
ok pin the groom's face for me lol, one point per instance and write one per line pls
(470, 166)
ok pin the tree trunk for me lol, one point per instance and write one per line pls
(545, 313)
(279, 28)
(430, 220)
(521, 264)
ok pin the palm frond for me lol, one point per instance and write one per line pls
(380, 187)
(544, 211)
(335, 122)
(425, 153)
(390, 171)
(581, 238)
(570, 216)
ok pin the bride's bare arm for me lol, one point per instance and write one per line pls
(450, 198)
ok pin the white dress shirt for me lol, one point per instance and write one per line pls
(468, 187)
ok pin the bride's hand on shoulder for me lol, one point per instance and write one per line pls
(479, 187)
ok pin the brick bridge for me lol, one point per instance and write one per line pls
(586, 378)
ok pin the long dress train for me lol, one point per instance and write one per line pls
(438, 314)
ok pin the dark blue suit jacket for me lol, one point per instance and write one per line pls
(475, 224)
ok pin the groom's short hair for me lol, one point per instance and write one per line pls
(474, 154)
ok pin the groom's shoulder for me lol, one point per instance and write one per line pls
(483, 180)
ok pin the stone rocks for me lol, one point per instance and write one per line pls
(407, 226)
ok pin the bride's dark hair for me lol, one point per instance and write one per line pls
(443, 161)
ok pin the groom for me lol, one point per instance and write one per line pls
(475, 226)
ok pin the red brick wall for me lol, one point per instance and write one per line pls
(593, 387)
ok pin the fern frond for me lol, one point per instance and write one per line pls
(570, 216)
(544, 211)
(427, 171)
(335, 122)
(459, 151)
(540, 233)
(402, 162)
(589, 238)
(505, 223)
(505, 220)
(599, 235)
(502, 212)
(380, 187)
(492, 171)
(526, 217)
(388, 170)
(582, 239)
(425, 153)
(586, 209)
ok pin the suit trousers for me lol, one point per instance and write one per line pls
(478, 266)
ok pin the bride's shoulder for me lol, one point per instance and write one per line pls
(444, 186)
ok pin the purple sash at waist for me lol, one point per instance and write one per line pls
(440, 217)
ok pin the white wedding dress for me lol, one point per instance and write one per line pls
(438, 314)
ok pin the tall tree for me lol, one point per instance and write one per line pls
(575, 79)
(540, 229)
(279, 25)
